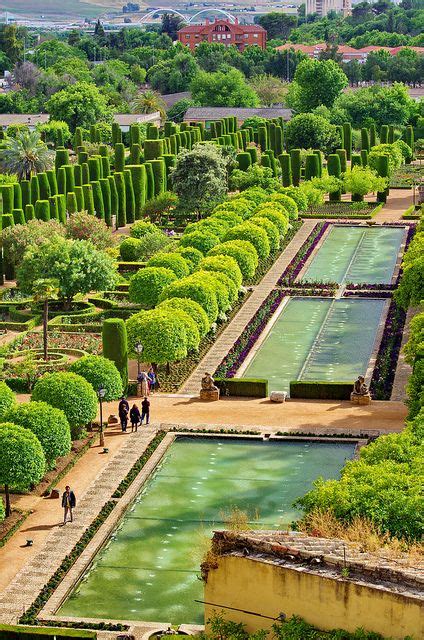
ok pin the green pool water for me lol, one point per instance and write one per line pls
(149, 569)
(318, 339)
(356, 254)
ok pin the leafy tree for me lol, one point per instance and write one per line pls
(251, 233)
(173, 76)
(17, 239)
(43, 290)
(161, 332)
(77, 266)
(362, 180)
(171, 23)
(22, 461)
(72, 394)
(278, 24)
(7, 399)
(82, 226)
(316, 82)
(195, 288)
(79, 105)
(376, 104)
(49, 425)
(254, 176)
(179, 108)
(149, 101)
(50, 51)
(243, 252)
(25, 155)
(147, 285)
(223, 89)
(309, 131)
(173, 261)
(200, 177)
(10, 43)
(269, 89)
(99, 372)
(192, 308)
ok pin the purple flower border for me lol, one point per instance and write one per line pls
(385, 366)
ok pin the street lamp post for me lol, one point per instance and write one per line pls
(101, 392)
(139, 350)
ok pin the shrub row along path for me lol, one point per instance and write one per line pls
(227, 338)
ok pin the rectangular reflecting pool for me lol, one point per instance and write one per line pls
(318, 339)
(149, 569)
(356, 254)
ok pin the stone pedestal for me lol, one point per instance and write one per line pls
(360, 400)
(209, 395)
(54, 494)
(278, 396)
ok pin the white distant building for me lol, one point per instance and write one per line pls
(322, 7)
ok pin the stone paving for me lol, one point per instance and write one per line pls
(26, 585)
(226, 340)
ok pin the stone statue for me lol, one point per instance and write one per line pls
(360, 393)
(209, 391)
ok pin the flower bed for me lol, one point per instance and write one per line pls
(90, 343)
(296, 264)
(405, 176)
(349, 210)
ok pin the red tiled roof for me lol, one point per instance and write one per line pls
(235, 28)
(345, 49)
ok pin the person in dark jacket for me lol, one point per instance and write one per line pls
(68, 503)
(134, 417)
(145, 410)
(123, 409)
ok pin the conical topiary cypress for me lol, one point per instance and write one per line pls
(129, 197)
(42, 210)
(121, 215)
(87, 190)
(105, 187)
(286, 170)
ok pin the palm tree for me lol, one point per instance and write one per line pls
(25, 155)
(45, 289)
(149, 101)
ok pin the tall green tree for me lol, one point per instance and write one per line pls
(45, 289)
(223, 89)
(316, 82)
(79, 105)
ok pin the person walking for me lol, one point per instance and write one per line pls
(152, 379)
(143, 381)
(134, 417)
(68, 503)
(145, 410)
(123, 409)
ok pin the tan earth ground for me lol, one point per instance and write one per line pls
(171, 410)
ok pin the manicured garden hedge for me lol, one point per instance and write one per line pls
(9, 632)
(320, 390)
(243, 387)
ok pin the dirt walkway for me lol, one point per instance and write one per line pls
(398, 202)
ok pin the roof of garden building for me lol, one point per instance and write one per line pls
(326, 556)
(30, 119)
(241, 113)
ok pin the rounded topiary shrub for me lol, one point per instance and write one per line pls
(191, 255)
(287, 202)
(230, 217)
(130, 250)
(243, 252)
(232, 290)
(195, 289)
(226, 264)
(216, 226)
(191, 307)
(173, 261)
(71, 393)
(162, 334)
(221, 291)
(22, 461)
(100, 372)
(251, 233)
(7, 399)
(142, 228)
(204, 241)
(192, 332)
(279, 217)
(49, 424)
(147, 285)
(294, 193)
(270, 229)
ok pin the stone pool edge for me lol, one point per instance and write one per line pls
(75, 574)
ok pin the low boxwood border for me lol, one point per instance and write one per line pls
(30, 615)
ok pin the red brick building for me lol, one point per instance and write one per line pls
(223, 32)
